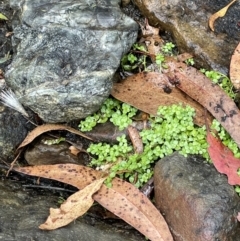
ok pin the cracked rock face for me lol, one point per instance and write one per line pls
(66, 55)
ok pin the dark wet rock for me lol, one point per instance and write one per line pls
(188, 23)
(108, 132)
(66, 55)
(23, 211)
(197, 201)
(41, 153)
(13, 129)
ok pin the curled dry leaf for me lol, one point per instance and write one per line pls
(48, 127)
(75, 206)
(219, 14)
(223, 159)
(148, 91)
(122, 199)
(135, 139)
(235, 68)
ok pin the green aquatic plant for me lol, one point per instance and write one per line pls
(167, 48)
(120, 114)
(137, 57)
(171, 130)
(133, 59)
(159, 61)
(222, 80)
(190, 61)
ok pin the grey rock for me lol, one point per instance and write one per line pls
(67, 53)
(197, 201)
(23, 211)
(187, 21)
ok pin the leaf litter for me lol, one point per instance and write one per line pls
(75, 206)
(122, 199)
(211, 96)
(148, 91)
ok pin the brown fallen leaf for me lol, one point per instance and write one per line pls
(148, 91)
(219, 14)
(74, 150)
(75, 206)
(151, 38)
(122, 199)
(135, 139)
(235, 68)
(48, 127)
(209, 95)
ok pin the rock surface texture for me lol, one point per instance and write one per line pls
(188, 22)
(66, 55)
(197, 201)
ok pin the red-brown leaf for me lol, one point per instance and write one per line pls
(135, 139)
(223, 159)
